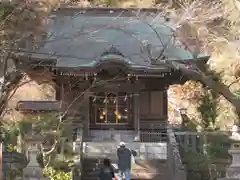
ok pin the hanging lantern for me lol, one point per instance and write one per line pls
(128, 76)
(119, 117)
(95, 76)
(125, 99)
(104, 113)
(101, 117)
(105, 100)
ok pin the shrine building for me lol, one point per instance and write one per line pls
(112, 68)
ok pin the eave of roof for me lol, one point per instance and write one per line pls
(34, 106)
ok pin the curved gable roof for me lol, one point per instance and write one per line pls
(79, 37)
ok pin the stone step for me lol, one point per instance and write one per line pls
(140, 166)
(135, 177)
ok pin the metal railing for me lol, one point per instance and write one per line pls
(148, 136)
(176, 169)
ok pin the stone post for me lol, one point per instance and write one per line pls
(79, 135)
(74, 146)
(78, 140)
(19, 143)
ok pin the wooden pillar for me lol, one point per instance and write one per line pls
(165, 102)
(86, 120)
(136, 114)
(165, 105)
(57, 90)
(62, 94)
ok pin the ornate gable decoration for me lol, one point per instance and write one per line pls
(112, 50)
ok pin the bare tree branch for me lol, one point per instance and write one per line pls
(234, 82)
(218, 87)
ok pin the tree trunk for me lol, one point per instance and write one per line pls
(217, 87)
(222, 89)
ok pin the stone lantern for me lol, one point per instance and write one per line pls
(233, 171)
(33, 171)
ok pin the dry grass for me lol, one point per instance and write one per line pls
(137, 3)
(114, 3)
(212, 26)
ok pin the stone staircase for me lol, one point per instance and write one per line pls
(150, 159)
(142, 170)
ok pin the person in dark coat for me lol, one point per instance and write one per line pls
(124, 161)
(106, 172)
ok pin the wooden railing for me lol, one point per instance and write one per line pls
(176, 169)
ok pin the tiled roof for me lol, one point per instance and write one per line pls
(38, 106)
(79, 37)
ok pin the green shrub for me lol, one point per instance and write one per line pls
(57, 175)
